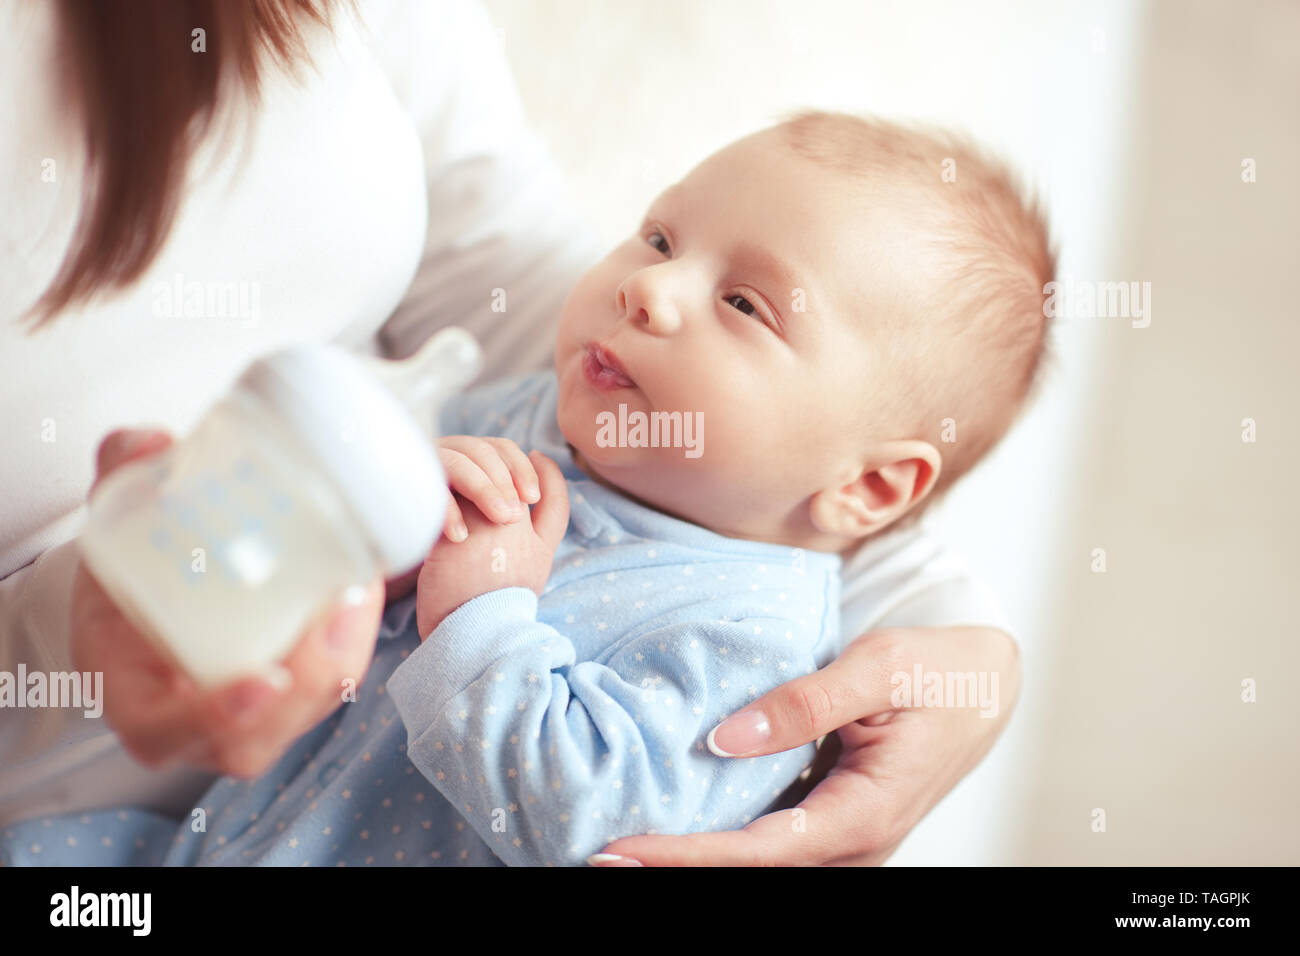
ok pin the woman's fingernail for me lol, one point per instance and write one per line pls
(353, 596)
(339, 633)
(612, 859)
(505, 510)
(532, 492)
(457, 531)
(741, 734)
(279, 678)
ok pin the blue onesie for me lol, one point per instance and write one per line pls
(525, 730)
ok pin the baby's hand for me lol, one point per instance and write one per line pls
(494, 473)
(493, 556)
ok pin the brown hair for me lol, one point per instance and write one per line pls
(147, 86)
(976, 350)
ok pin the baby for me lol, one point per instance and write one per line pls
(810, 337)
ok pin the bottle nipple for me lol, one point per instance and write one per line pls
(442, 366)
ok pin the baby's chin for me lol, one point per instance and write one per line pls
(610, 461)
(620, 468)
(661, 491)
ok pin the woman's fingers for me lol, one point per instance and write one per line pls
(764, 842)
(859, 685)
(883, 783)
(808, 835)
(332, 656)
(476, 469)
(161, 716)
(125, 444)
(895, 760)
(853, 686)
(142, 702)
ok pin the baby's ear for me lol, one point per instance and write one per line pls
(901, 475)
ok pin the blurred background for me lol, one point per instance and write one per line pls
(1135, 121)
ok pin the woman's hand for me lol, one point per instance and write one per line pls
(891, 764)
(158, 712)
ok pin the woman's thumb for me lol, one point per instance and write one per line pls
(125, 444)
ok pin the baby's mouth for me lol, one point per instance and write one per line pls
(603, 369)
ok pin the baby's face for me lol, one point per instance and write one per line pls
(745, 305)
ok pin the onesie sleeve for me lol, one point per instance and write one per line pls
(550, 758)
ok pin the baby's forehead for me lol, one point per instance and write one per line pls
(849, 252)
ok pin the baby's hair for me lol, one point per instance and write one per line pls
(976, 352)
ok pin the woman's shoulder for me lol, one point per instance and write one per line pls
(911, 578)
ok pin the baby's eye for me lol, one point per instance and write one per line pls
(651, 239)
(740, 303)
(743, 305)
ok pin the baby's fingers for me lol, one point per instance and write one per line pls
(454, 527)
(551, 514)
(521, 469)
(475, 469)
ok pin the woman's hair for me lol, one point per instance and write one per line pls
(145, 79)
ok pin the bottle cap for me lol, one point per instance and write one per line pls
(364, 440)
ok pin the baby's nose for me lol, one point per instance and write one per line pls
(650, 310)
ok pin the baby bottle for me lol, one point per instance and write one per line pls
(311, 475)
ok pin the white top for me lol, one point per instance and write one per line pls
(402, 153)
